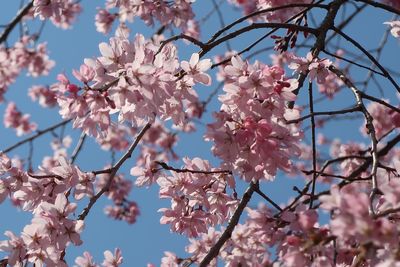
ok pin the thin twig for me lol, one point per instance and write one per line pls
(15, 21)
(38, 133)
(113, 172)
(214, 250)
(78, 147)
(324, 113)
(165, 166)
(273, 203)
(368, 54)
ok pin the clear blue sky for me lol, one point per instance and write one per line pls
(146, 240)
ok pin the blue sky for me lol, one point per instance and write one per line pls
(146, 240)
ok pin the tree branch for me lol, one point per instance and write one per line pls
(113, 171)
(214, 251)
(15, 21)
(38, 133)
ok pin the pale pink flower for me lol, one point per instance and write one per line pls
(104, 20)
(196, 69)
(112, 260)
(169, 260)
(13, 118)
(15, 246)
(42, 94)
(85, 74)
(85, 261)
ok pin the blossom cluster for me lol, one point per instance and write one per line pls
(43, 94)
(118, 191)
(353, 225)
(133, 79)
(110, 259)
(291, 232)
(22, 55)
(62, 13)
(55, 176)
(279, 15)
(199, 197)
(385, 119)
(13, 118)
(250, 134)
(48, 235)
(176, 12)
(158, 146)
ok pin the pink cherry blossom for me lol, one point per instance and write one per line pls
(13, 118)
(395, 28)
(197, 199)
(112, 260)
(85, 261)
(196, 68)
(43, 95)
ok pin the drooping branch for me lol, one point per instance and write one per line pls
(352, 62)
(289, 26)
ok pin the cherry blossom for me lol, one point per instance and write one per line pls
(242, 131)
(85, 261)
(43, 95)
(395, 28)
(197, 199)
(178, 13)
(138, 98)
(13, 118)
(196, 68)
(317, 68)
(112, 260)
(62, 13)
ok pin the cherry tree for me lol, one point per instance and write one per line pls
(282, 93)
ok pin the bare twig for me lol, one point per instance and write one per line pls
(38, 133)
(368, 54)
(264, 196)
(324, 113)
(78, 147)
(8, 29)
